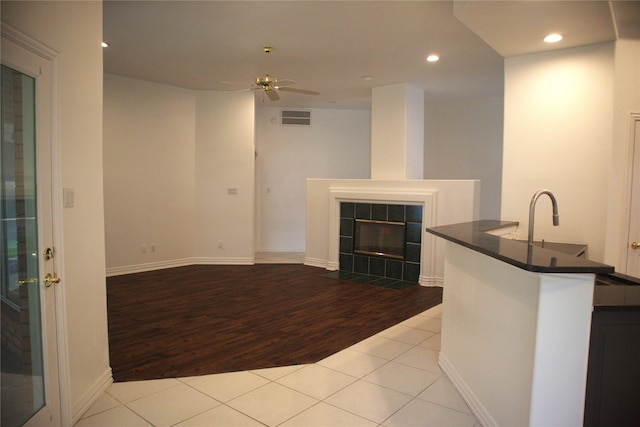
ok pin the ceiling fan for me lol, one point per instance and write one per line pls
(269, 85)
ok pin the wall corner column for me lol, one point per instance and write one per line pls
(397, 132)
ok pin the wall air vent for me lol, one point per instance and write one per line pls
(295, 117)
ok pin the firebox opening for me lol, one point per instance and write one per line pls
(379, 238)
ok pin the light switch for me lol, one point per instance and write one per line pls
(232, 190)
(68, 197)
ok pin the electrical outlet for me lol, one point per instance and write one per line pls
(143, 248)
(220, 245)
(153, 247)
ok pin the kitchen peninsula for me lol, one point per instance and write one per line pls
(515, 325)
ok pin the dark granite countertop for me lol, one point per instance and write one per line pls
(566, 248)
(473, 235)
(616, 292)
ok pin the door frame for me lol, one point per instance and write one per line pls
(631, 166)
(51, 57)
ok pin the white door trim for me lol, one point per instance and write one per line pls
(51, 56)
(632, 168)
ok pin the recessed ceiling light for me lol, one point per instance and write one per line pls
(105, 44)
(553, 38)
(367, 78)
(433, 58)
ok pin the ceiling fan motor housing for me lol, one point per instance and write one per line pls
(266, 81)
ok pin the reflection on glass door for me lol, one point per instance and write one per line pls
(22, 356)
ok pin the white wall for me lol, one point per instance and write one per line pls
(336, 145)
(153, 163)
(224, 150)
(515, 343)
(171, 156)
(74, 29)
(463, 140)
(149, 187)
(558, 135)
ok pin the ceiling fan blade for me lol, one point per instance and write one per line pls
(303, 91)
(227, 82)
(285, 82)
(241, 90)
(272, 94)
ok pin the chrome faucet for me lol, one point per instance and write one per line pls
(532, 208)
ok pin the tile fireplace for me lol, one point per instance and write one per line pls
(399, 261)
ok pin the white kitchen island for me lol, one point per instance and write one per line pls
(515, 326)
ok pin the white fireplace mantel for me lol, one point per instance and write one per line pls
(442, 201)
(425, 198)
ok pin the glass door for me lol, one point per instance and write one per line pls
(23, 392)
(31, 387)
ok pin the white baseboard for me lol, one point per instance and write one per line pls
(150, 266)
(431, 281)
(479, 411)
(312, 262)
(317, 262)
(91, 395)
(280, 248)
(223, 261)
(139, 268)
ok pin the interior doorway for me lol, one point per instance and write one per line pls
(633, 241)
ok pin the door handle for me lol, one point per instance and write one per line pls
(50, 279)
(27, 281)
(635, 245)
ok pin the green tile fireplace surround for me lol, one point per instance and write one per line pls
(407, 269)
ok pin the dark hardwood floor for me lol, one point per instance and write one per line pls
(200, 319)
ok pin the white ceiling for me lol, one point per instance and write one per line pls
(328, 46)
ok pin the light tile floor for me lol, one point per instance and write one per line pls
(390, 379)
(279, 257)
